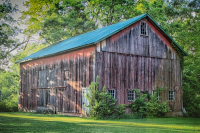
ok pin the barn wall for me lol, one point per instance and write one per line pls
(55, 82)
(129, 60)
(123, 61)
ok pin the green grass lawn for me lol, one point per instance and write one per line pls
(30, 122)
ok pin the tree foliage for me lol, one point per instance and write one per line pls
(7, 32)
(56, 20)
(186, 27)
(8, 91)
(9, 80)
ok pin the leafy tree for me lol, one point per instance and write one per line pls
(107, 12)
(8, 91)
(8, 32)
(56, 20)
(9, 80)
(186, 27)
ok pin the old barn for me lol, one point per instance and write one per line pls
(136, 53)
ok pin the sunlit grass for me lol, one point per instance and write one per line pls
(54, 123)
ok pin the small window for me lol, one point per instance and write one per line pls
(130, 95)
(66, 75)
(171, 95)
(112, 93)
(143, 28)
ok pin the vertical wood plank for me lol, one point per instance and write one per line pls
(78, 86)
(156, 73)
(129, 42)
(122, 71)
(87, 71)
(152, 74)
(139, 79)
(74, 85)
(142, 73)
(105, 77)
(135, 63)
(132, 45)
(59, 75)
(118, 85)
(146, 73)
(149, 72)
(109, 70)
(150, 42)
(132, 68)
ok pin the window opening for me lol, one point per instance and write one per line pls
(130, 95)
(171, 95)
(112, 93)
(143, 28)
(67, 75)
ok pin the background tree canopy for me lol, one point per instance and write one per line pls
(7, 32)
(55, 20)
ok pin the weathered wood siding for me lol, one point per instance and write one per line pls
(129, 60)
(56, 82)
(123, 61)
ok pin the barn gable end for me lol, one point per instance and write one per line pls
(155, 44)
(128, 60)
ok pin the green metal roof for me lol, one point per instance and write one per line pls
(88, 39)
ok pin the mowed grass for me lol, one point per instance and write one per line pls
(31, 122)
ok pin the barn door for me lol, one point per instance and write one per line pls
(60, 100)
(85, 102)
(71, 100)
(44, 99)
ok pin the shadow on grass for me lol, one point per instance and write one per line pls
(17, 122)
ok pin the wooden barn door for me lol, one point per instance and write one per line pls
(71, 100)
(60, 99)
(66, 100)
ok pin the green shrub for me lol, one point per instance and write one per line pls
(8, 91)
(102, 105)
(152, 108)
(139, 105)
(155, 107)
(8, 106)
(120, 111)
